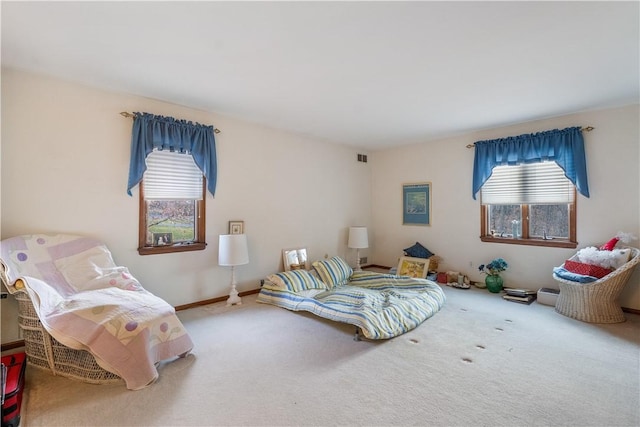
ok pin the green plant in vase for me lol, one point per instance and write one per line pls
(492, 270)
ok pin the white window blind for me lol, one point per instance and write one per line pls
(171, 176)
(536, 183)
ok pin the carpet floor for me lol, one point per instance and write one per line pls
(481, 361)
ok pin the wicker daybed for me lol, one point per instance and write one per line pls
(45, 352)
(84, 317)
(596, 302)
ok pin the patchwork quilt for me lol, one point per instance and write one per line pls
(87, 302)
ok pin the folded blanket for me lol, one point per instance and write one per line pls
(86, 302)
(574, 277)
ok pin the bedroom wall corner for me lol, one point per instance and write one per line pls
(65, 159)
(613, 150)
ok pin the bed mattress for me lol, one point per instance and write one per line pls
(383, 306)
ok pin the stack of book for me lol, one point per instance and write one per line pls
(523, 296)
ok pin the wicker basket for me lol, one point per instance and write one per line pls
(44, 351)
(596, 302)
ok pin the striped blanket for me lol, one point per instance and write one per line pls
(382, 305)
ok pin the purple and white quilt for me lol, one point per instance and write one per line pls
(87, 302)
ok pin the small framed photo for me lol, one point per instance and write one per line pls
(413, 267)
(236, 227)
(295, 259)
(162, 239)
(416, 204)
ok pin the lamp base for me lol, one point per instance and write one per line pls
(234, 298)
(358, 267)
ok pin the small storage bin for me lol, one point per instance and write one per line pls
(548, 296)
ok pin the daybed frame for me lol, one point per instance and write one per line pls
(45, 352)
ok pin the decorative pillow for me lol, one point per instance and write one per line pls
(333, 272)
(620, 257)
(418, 251)
(586, 269)
(296, 281)
(615, 258)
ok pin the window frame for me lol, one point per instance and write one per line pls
(198, 245)
(525, 239)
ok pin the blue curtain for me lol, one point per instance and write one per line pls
(565, 147)
(150, 132)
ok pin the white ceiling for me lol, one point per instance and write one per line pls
(367, 74)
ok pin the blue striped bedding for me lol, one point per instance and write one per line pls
(382, 305)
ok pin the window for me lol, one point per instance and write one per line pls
(536, 202)
(172, 204)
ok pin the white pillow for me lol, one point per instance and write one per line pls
(615, 258)
(620, 257)
(95, 269)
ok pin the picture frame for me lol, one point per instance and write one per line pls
(162, 239)
(295, 259)
(413, 267)
(236, 227)
(416, 203)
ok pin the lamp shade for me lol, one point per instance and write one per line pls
(233, 250)
(358, 238)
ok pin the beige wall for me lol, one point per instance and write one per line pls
(65, 160)
(612, 164)
(64, 165)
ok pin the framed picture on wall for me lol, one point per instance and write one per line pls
(236, 227)
(162, 239)
(416, 203)
(413, 267)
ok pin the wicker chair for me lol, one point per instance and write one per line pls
(45, 352)
(596, 302)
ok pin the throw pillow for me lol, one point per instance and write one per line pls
(296, 281)
(620, 257)
(418, 251)
(334, 272)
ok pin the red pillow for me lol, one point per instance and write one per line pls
(586, 269)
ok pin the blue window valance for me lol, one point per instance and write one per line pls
(565, 147)
(166, 133)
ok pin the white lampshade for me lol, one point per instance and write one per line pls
(233, 250)
(358, 238)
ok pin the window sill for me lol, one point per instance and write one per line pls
(153, 250)
(553, 243)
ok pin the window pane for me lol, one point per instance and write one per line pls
(177, 217)
(501, 217)
(549, 221)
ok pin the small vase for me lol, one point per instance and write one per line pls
(493, 282)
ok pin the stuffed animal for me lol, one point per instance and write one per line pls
(607, 256)
(624, 237)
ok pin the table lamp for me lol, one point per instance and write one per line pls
(232, 251)
(358, 239)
